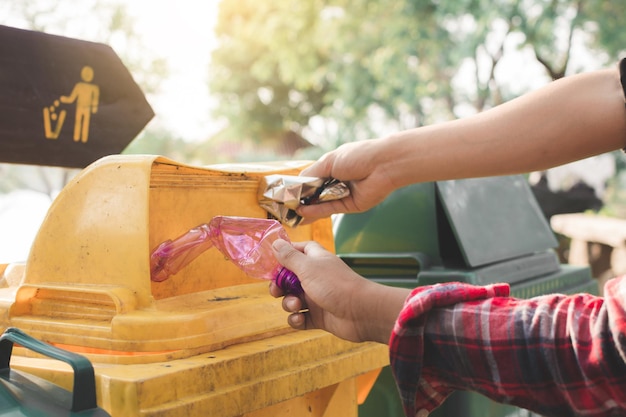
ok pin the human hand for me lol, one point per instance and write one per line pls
(336, 299)
(356, 164)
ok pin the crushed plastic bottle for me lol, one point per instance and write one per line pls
(247, 242)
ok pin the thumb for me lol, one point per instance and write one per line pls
(321, 210)
(287, 255)
(321, 168)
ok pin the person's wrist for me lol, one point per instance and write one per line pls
(378, 307)
(392, 154)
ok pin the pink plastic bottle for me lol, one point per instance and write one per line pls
(173, 255)
(247, 242)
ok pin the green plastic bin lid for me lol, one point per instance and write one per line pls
(494, 218)
(462, 223)
(26, 395)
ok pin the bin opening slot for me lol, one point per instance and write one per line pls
(386, 265)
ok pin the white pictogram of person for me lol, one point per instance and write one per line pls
(86, 95)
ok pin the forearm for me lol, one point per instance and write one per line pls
(570, 119)
(556, 355)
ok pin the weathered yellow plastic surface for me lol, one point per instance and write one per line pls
(208, 341)
(297, 371)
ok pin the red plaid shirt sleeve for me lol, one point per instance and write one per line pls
(556, 355)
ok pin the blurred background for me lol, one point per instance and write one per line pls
(249, 80)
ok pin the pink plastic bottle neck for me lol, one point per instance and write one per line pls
(288, 282)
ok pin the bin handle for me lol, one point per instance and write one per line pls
(84, 395)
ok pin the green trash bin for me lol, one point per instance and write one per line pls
(26, 395)
(478, 231)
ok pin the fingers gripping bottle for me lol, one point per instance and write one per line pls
(247, 242)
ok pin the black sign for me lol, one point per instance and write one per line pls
(64, 102)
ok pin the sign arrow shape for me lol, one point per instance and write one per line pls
(64, 102)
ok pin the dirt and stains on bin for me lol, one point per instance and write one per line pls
(478, 231)
(208, 341)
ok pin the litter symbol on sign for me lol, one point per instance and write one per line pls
(64, 102)
(86, 96)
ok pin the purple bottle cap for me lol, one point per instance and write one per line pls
(288, 282)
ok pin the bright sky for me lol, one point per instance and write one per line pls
(182, 33)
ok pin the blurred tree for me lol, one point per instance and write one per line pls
(383, 63)
(604, 23)
(269, 72)
(553, 27)
(361, 67)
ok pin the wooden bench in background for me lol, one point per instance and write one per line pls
(597, 241)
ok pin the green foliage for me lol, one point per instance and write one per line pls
(367, 64)
(605, 23)
(281, 63)
(268, 75)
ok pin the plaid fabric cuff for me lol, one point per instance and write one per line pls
(420, 394)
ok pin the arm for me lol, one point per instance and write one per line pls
(569, 119)
(71, 98)
(556, 355)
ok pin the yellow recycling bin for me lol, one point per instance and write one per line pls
(209, 341)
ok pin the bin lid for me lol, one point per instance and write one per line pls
(494, 218)
(464, 223)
